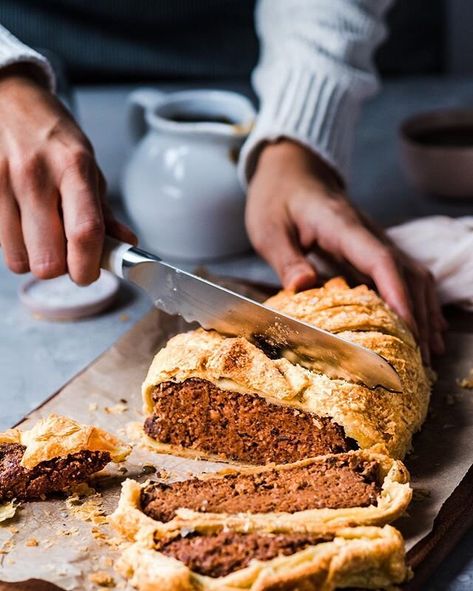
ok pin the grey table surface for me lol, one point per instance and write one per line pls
(38, 357)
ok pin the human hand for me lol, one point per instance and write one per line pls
(296, 205)
(53, 214)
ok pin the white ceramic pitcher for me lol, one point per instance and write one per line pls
(180, 186)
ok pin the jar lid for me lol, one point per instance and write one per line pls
(61, 299)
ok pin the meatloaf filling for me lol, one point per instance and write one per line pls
(246, 428)
(17, 482)
(335, 482)
(220, 554)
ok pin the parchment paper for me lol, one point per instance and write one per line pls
(54, 541)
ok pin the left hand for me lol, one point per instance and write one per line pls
(296, 204)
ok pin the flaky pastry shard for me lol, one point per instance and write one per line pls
(57, 436)
(393, 498)
(234, 365)
(361, 557)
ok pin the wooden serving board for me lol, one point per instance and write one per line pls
(455, 517)
(440, 463)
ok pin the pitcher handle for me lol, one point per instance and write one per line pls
(139, 102)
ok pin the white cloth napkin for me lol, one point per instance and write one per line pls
(445, 246)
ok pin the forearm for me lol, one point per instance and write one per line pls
(315, 70)
(15, 55)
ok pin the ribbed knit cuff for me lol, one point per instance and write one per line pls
(313, 109)
(13, 51)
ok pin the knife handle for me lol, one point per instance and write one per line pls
(112, 255)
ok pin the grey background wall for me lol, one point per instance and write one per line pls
(459, 50)
(119, 40)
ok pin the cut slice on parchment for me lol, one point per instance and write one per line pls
(360, 557)
(56, 453)
(309, 496)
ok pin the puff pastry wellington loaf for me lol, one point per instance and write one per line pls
(322, 478)
(216, 397)
(56, 453)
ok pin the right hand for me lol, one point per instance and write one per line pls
(296, 205)
(53, 214)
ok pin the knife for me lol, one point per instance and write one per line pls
(197, 300)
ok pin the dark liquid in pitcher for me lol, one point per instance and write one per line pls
(200, 118)
(449, 137)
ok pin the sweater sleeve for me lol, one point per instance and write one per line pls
(315, 69)
(13, 51)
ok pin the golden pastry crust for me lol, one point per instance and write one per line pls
(130, 521)
(362, 557)
(370, 417)
(57, 436)
(338, 308)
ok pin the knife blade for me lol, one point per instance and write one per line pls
(214, 307)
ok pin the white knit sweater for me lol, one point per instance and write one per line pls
(315, 69)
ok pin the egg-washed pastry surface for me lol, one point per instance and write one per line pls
(56, 453)
(312, 495)
(361, 557)
(216, 397)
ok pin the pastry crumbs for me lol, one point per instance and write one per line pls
(81, 490)
(107, 562)
(102, 579)
(116, 409)
(6, 547)
(87, 510)
(98, 534)
(68, 532)
(31, 542)
(466, 382)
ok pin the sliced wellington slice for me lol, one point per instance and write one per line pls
(56, 453)
(309, 496)
(361, 557)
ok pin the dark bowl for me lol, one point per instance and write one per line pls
(437, 152)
